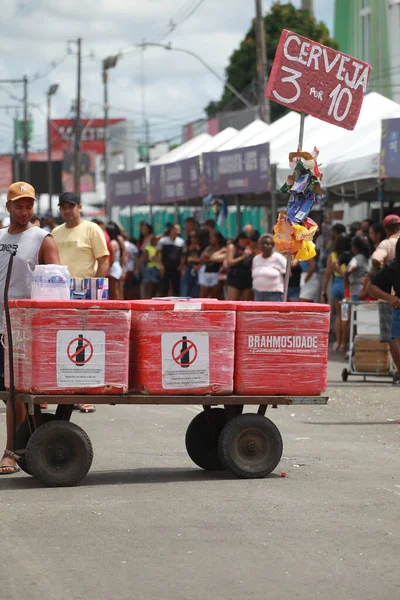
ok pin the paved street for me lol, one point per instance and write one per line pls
(146, 524)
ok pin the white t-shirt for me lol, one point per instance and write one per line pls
(269, 273)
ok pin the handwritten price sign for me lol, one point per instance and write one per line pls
(314, 79)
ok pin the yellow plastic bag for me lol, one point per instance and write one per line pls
(306, 251)
(302, 234)
(283, 236)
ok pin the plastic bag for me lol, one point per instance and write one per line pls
(51, 282)
(306, 251)
(301, 233)
(283, 236)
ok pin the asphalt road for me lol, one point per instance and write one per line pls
(146, 524)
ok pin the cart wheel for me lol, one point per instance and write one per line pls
(250, 446)
(59, 454)
(202, 439)
(22, 435)
(345, 375)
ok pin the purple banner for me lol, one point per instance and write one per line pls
(174, 182)
(389, 163)
(128, 188)
(239, 171)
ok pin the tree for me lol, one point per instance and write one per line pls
(241, 71)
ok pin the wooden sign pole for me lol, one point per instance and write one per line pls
(289, 255)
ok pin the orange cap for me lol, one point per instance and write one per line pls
(19, 190)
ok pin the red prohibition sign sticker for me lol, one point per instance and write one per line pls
(72, 353)
(178, 354)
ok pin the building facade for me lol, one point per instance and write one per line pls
(370, 30)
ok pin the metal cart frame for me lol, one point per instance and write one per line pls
(58, 453)
(351, 370)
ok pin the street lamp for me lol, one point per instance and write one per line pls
(206, 65)
(51, 91)
(108, 63)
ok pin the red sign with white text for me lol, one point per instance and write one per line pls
(314, 79)
(62, 134)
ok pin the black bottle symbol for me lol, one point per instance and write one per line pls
(80, 352)
(184, 353)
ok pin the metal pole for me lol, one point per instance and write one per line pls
(16, 156)
(49, 163)
(263, 102)
(78, 127)
(106, 199)
(274, 208)
(289, 256)
(207, 66)
(238, 215)
(143, 106)
(131, 221)
(308, 5)
(26, 130)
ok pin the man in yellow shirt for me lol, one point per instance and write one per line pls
(82, 247)
(80, 243)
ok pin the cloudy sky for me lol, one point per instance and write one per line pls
(35, 37)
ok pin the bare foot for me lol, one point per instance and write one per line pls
(8, 466)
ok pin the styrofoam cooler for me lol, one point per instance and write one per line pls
(182, 347)
(281, 348)
(69, 346)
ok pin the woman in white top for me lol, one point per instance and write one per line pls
(268, 272)
(117, 261)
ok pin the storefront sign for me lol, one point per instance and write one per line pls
(128, 188)
(175, 182)
(389, 166)
(314, 79)
(239, 171)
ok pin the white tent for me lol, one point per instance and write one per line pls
(244, 135)
(332, 141)
(215, 142)
(184, 150)
(287, 123)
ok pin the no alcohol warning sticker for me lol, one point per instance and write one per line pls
(185, 360)
(80, 358)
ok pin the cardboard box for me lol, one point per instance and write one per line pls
(371, 355)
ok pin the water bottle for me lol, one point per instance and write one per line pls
(51, 282)
(345, 311)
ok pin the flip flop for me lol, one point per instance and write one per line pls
(14, 470)
(85, 410)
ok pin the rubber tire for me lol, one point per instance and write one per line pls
(345, 375)
(22, 435)
(200, 442)
(71, 442)
(235, 454)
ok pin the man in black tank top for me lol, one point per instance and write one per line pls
(32, 246)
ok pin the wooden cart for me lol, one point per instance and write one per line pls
(57, 452)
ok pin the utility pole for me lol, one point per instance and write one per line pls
(308, 5)
(52, 90)
(26, 130)
(145, 125)
(263, 102)
(78, 125)
(108, 63)
(16, 156)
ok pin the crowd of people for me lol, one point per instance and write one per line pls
(199, 262)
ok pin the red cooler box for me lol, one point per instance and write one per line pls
(70, 346)
(182, 347)
(281, 348)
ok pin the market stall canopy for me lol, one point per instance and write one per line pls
(184, 150)
(216, 141)
(333, 142)
(245, 135)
